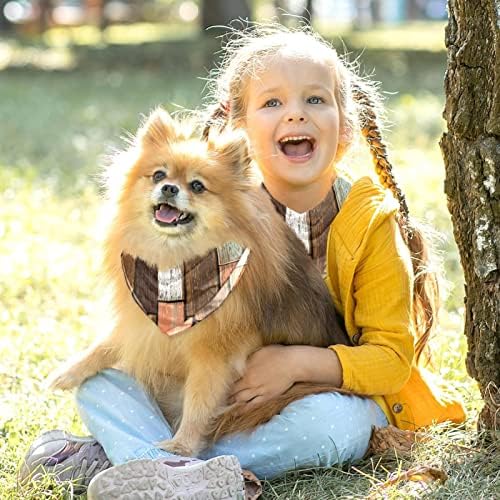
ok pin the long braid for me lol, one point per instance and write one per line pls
(426, 288)
(371, 131)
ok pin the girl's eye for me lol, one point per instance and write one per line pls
(197, 187)
(272, 103)
(159, 175)
(315, 100)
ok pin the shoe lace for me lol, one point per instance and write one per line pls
(93, 460)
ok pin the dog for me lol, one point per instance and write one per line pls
(185, 211)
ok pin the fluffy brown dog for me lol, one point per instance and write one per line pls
(175, 199)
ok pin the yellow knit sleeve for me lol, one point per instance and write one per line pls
(382, 291)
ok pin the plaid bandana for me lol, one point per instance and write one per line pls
(312, 227)
(180, 297)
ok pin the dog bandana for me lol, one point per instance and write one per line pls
(180, 297)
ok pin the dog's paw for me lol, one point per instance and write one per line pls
(64, 379)
(177, 447)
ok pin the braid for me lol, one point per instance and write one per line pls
(219, 116)
(378, 150)
(426, 286)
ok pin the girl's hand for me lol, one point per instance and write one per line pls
(273, 369)
(269, 372)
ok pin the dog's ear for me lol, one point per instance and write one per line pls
(158, 129)
(231, 148)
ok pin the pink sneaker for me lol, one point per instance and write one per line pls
(164, 478)
(66, 457)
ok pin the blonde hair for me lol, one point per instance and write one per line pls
(250, 51)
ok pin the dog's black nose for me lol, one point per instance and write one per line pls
(169, 190)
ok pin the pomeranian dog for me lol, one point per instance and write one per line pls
(204, 272)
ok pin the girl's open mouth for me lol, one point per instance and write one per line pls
(167, 215)
(297, 148)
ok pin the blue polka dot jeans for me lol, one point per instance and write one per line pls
(318, 431)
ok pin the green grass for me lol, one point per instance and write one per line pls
(55, 129)
(420, 36)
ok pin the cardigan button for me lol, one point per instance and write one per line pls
(356, 337)
(397, 408)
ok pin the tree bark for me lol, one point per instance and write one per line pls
(222, 12)
(471, 150)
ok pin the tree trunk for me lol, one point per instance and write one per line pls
(44, 15)
(413, 11)
(376, 11)
(307, 13)
(471, 150)
(363, 18)
(222, 12)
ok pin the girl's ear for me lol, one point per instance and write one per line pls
(158, 129)
(345, 136)
(345, 139)
(231, 147)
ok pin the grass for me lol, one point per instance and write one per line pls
(419, 36)
(56, 127)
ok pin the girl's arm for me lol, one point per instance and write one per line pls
(382, 295)
(273, 369)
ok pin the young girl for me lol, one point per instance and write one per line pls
(302, 107)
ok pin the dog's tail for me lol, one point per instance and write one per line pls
(233, 420)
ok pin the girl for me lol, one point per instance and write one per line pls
(302, 107)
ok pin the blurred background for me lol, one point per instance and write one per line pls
(28, 16)
(76, 75)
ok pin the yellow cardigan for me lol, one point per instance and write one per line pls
(370, 277)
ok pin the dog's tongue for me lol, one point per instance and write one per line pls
(167, 214)
(300, 149)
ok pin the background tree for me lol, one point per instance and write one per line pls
(307, 13)
(221, 12)
(471, 150)
(301, 13)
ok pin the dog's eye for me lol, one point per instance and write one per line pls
(197, 187)
(159, 175)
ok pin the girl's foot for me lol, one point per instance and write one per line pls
(163, 478)
(64, 456)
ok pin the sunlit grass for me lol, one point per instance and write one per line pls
(118, 34)
(422, 36)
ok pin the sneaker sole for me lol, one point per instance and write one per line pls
(214, 479)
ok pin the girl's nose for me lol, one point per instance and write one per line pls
(298, 118)
(296, 114)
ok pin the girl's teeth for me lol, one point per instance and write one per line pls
(295, 138)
